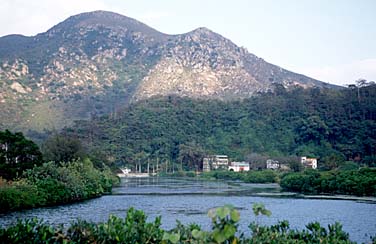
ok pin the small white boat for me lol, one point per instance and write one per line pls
(127, 173)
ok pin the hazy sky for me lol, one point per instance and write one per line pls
(330, 40)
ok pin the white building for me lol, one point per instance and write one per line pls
(272, 164)
(214, 162)
(309, 162)
(238, 166)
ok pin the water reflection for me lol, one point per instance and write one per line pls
(189, 200)
(176, 186)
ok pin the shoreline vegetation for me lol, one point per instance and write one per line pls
(51, 184)
(338, 183)
(134, 228)
(63, 173)
(66, 173)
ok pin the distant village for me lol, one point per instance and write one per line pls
(221, 162)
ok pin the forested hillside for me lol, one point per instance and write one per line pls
(333, 125)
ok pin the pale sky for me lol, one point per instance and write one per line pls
(330, 40)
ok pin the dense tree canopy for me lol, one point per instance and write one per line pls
(326, 123)
(17, 154)
(360, 182)
(62, 148)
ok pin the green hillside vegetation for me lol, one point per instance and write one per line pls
(334, 125)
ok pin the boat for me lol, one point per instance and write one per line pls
(127, 173)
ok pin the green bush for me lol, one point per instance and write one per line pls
(31, 231)
(18, 196)
(135, 229)
(360, 182)
(132, 229)
(52, 184)
(314, 233)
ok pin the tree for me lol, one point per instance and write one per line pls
(256, 160)
(295, 166)
(332, 161)
(302, 122)
(191, 155)
(312, 129)
(17, 154)
(140, 159)
(62, 148)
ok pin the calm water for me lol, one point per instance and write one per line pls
(189, 201)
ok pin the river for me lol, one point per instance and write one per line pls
(189, 200)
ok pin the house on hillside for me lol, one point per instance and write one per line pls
(215, 162)
(238, 166)
(310, 163)
(284, 167)
(272, 164)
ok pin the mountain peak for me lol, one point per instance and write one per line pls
(97, 62)
(106, 19)
(202, 30)
(103, 18)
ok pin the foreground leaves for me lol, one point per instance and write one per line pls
(134, 228)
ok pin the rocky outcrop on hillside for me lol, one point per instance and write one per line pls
(199, 64)
(94, 63)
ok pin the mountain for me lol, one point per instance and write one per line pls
(95, 63)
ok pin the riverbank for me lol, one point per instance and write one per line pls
(359, 183)
(134, 228)
(340, 197)
(189, 199)
(262, 176)
(349, 183)
(51, 185)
